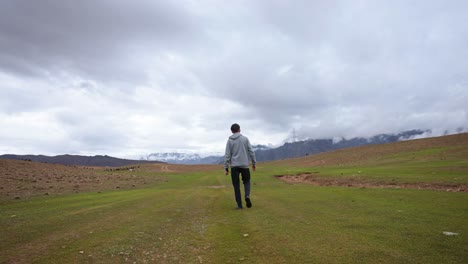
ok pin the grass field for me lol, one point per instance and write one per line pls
(187, 214)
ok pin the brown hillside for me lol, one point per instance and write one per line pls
(453, 149)
(21, 179)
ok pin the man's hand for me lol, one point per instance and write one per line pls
(226, 173)
(254, 168)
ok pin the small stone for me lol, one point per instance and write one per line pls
(246, 235)
(81, 252)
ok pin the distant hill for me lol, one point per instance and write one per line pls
(417, 153)
(314, 146)
(77, 160)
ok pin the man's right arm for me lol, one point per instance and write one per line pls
(227, 157)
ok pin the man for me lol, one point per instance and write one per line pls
(238, 153)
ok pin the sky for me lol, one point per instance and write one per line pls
(130, 78)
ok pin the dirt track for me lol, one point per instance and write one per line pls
(309, 178)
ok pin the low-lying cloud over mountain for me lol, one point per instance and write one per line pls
(295, 148)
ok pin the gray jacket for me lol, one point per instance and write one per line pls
(238, 152)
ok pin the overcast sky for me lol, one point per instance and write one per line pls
(129, 78)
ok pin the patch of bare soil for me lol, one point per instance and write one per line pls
(309, 178)
(216, 186)
(22, 179)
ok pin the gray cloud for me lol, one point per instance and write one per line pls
(348, 61)
(137, 77)
(93, 38)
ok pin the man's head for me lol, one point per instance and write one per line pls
(235, 128)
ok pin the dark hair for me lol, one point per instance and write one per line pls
(235, 128)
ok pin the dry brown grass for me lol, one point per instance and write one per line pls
(21, 179)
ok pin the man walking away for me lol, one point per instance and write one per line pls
(238, 153)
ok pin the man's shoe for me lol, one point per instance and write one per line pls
(248, 202)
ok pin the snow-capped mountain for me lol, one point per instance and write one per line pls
(183, 158)
(193, 158)
(260, 147)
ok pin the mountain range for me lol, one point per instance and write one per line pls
(314, 146)
(78, 160)
(290, 149)
(262, 152)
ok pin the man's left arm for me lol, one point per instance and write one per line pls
(252, 155)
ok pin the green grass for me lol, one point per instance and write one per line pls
(429, 165)
(189, 221)
(191, 218)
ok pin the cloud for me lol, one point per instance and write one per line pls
(104, 77)
(96, 39)
(357, 64)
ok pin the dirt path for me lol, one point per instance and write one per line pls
(165, 168)
(309, 178)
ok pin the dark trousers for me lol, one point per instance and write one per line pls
(245, 173)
